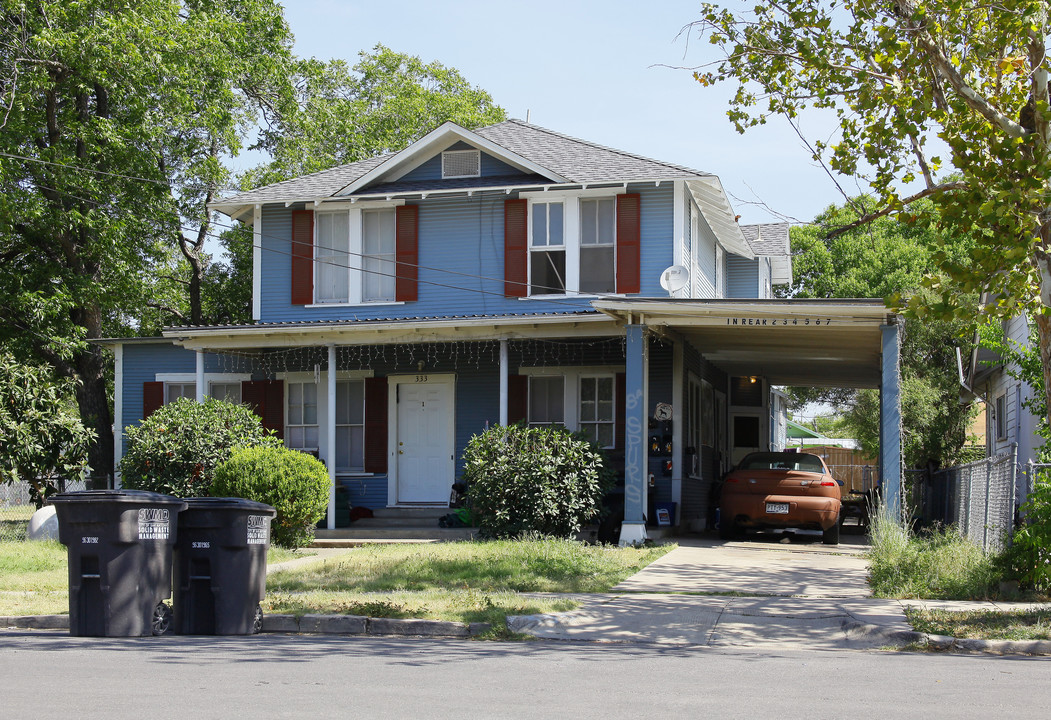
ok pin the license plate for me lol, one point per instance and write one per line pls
(777, 508)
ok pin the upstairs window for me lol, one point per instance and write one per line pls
(598, 245)
(461, 164)
(378, 255)
(332, 258)
(547, 249)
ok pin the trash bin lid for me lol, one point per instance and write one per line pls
(230, 503)
(135, 497)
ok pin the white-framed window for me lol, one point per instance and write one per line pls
(572, 242)
(354, 254)
(547, 405)
(1001, 417)
(597, 403)
(598, 245)
(301, 421)
(228, 391)
(175, 390)
(461, 164)
(350, 425)
(581, 398)
(378, 254)
(547, 248)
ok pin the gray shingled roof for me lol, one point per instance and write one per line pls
(577, 160)
(769, 239)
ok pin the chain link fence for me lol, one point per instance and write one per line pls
(16, 508)
(978, 498)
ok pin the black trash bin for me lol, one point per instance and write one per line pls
(120, 560)
(220, 566)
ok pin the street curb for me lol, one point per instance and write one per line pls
(308, 624)
(945, 643)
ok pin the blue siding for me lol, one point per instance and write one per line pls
(142, 362)
(742, 277)
(366, 491)
(432, 169)
(461, 257)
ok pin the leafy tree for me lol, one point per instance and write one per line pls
(879, 259)
(113, 123)
(382, 104)
(43, 440)
(897, 75)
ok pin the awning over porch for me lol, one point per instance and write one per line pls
(829, 343)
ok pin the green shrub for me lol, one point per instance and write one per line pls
(1028, 560)
(177, 448)
(533, 479)
(296, 485)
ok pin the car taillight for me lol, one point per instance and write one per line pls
(732, 480)
(827, 483)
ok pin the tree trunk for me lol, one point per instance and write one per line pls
(93, 401)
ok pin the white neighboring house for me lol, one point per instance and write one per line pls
(1007, 420)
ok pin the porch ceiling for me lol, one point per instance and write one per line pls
(830, 343)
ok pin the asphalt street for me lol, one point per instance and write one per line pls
(48, 674)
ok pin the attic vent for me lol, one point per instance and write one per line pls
(461, 163)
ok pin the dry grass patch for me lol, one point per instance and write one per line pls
(1031, 624)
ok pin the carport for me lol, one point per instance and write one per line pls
(829, 343)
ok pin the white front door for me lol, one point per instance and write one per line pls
(423, 444)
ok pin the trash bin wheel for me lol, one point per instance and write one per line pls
(257, 622)
(162, 619)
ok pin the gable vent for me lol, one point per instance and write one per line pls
(461, 163)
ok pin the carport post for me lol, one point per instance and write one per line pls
(890, 420)
(633, 529)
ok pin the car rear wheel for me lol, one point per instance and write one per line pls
(728, 530)
(831, 536)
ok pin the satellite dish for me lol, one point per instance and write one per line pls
(674, 279)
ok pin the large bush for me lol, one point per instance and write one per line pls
(533, 479)
(296, 485)
(177, 448)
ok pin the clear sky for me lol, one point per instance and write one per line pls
(593, 70)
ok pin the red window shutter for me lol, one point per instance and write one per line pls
(302, 257)
(376, 424)
(620, 402)
(152, 397)
(517, 399)
(516, 248)
(629, 243)
(407, 221)
(267, 400)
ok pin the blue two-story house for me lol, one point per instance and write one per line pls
(403, 303)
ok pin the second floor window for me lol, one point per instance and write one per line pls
(354, 264)
(547, 249)
(598, 245)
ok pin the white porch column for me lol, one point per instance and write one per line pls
(504, 371)
(201, 389)
(118, 411)
(330, 437)
(633, 529)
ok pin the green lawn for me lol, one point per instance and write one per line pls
(466, 582)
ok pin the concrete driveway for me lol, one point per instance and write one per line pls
(764, 566)
(768, 591)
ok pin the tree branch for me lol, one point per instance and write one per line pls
(869, 217)
(167, 309)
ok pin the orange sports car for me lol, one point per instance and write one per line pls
(780, 490)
